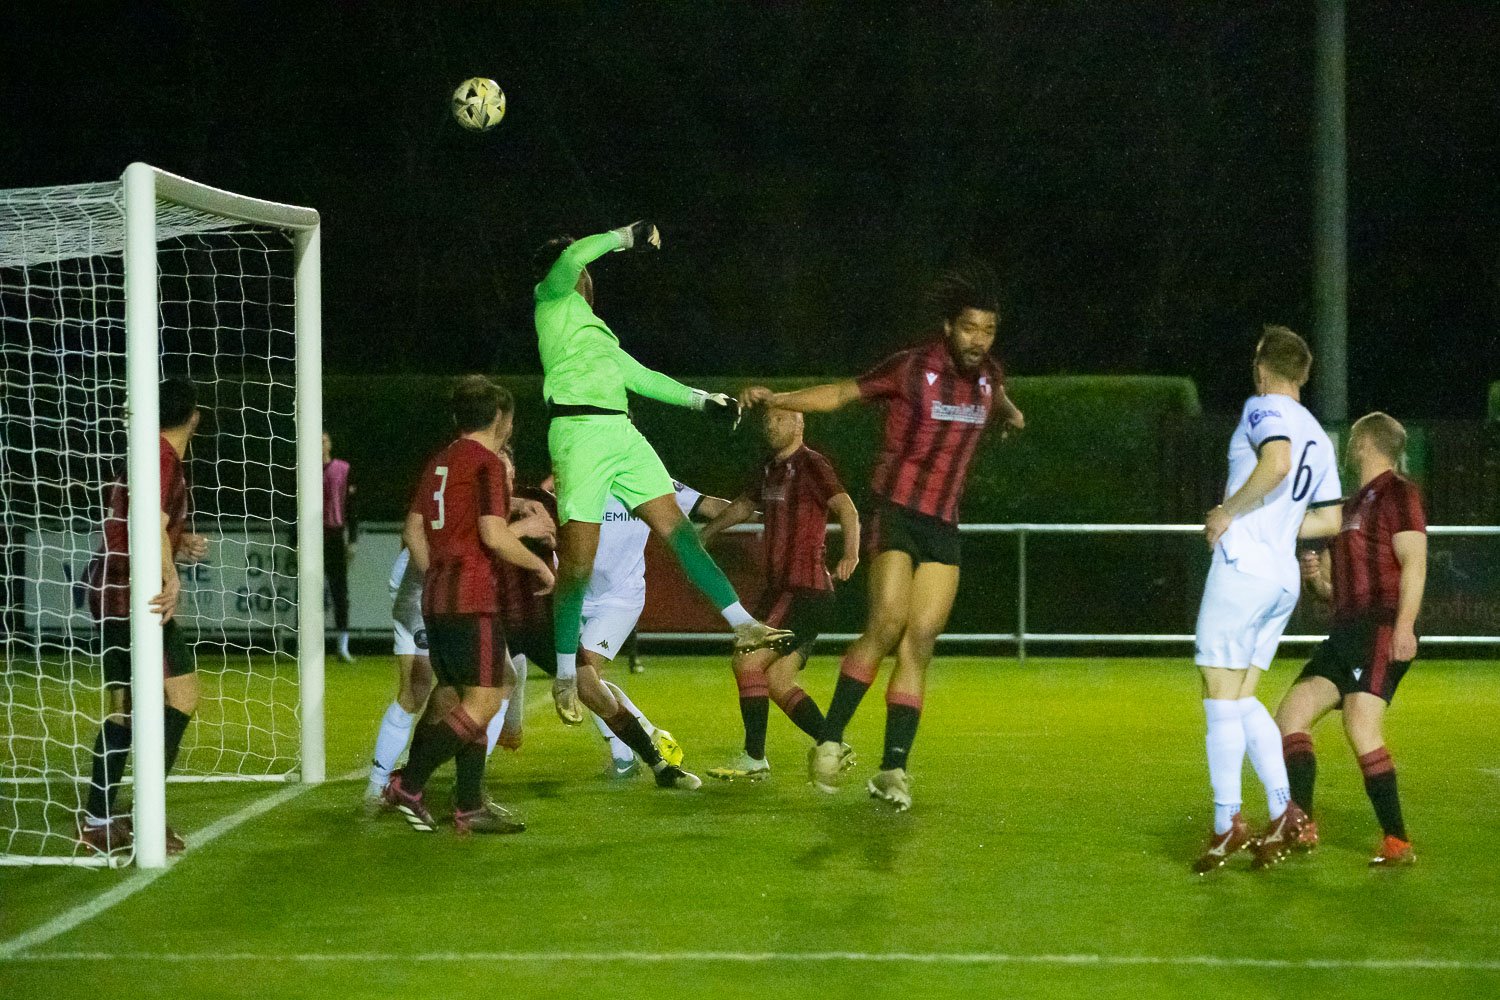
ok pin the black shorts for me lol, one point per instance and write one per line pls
(468, 650)
(1357, 657)
(177, 655)
(925, 538)
(804, 613)
(537, 644)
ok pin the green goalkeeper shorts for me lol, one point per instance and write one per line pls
(596, 455)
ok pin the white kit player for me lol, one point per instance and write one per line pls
(1281, 466)
(612, 605)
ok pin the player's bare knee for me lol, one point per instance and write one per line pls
(181, 693)
(886, 629)
(595, 696)
(921, 638)
(481, 703)
(441, 702)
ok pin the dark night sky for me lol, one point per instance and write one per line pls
(1142, 176)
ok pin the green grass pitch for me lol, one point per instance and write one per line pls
(1058, 806)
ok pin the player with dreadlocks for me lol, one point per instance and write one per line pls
(940, 397)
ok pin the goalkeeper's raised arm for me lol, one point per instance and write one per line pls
(585, 365)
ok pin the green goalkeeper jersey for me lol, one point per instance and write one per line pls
(583, 362)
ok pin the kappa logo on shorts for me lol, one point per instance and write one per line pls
(603, 643)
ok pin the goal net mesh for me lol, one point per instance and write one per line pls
(226, 322)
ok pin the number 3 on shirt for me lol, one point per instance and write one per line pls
(1300, 486)
(442, 517)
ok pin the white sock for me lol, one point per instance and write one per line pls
(1226, 758)
(736, 614)
(617, 748)
(624, 699)
(344, 643)
(492, 731)
(1263, 742)
(395, 731)
(567, 666)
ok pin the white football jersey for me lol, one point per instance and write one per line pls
(1263, 543)
(619, 575)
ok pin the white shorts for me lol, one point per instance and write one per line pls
(1241, 619)
(410, 631)
(607, 626)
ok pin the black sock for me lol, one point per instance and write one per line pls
(755, 711)
(804, 712)
(1380, 786)
(468, 786)
(111, 749)
(174, 725)
(846, 698)
(1301, 768)
(431, 746)
(629, 729)
(900, 732)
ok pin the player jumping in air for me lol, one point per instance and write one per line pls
(1374, 574)
(597, 452)
(796, 488)
(1281, 466)
(456, 530)
(940, 397)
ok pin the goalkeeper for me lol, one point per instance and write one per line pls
(597, 451)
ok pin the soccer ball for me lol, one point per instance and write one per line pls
(479, 104)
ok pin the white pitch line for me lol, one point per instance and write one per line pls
(144, 877)
(771, 957)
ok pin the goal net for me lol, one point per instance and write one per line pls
(104, 290)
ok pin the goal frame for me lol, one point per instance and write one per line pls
(143, 186)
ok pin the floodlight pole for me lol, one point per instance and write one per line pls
(1331, 228)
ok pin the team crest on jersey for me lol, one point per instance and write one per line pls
(1256, 416)
(960, 413)
(931, 377)
(984, 384)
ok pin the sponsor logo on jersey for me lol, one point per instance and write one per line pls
(960, 413)
(1256, 416)
(776, 494)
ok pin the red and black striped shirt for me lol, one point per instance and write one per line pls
(935, 417)
(793, 493)
(520, 607)
(1366, 573)
(460, 484)
(109, 572)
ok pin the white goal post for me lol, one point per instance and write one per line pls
(101, 286)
